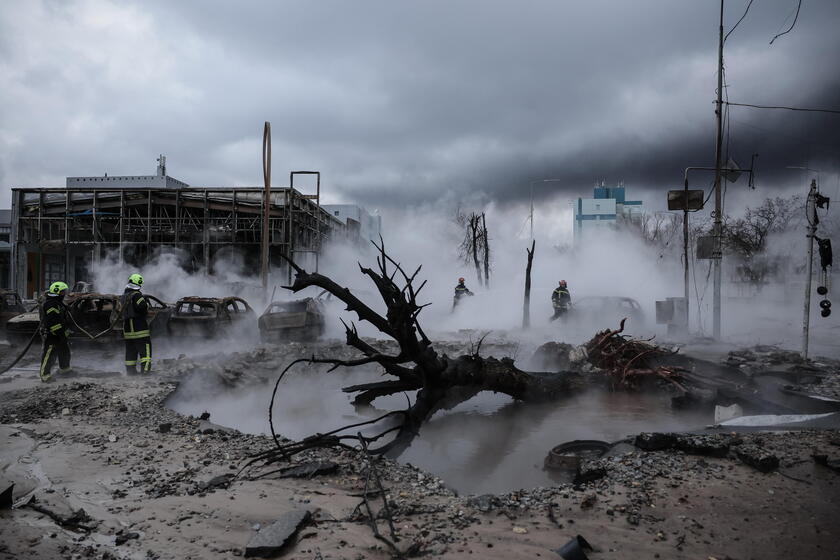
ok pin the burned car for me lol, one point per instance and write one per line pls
(95, 313)
(10, 306)
(208, 317)
(300, 320)
(608, 310)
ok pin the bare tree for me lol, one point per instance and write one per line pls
(747, 237)
(657, 229)
(442, 381)
(474, 243)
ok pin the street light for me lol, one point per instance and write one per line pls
(531, 215)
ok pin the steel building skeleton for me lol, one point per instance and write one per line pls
(86, 223)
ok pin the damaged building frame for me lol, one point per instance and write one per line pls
(57, 233)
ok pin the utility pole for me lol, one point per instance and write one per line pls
(811, 215)
(717, 256)
(685, 254)
(531, 214)
(266, 158)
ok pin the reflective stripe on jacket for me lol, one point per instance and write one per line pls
(135, 308)
(55, 318)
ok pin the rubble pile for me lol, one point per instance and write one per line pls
(164, 485)
(819, 376)
(74, 398)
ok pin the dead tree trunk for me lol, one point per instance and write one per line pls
(526, 306)
(486, 247)
(476, 239)
(441, 381)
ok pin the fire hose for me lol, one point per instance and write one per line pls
(38, 330)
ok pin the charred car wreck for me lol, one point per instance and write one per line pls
(300, 320)
(207, 317)
(10, 306)
(94, 313)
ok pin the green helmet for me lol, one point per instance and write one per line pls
(57, 287)
(136, 279)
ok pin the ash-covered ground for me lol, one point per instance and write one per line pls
(104, 467)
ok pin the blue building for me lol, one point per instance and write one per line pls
(608, 207)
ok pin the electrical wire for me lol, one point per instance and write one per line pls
(796, 17)
(803, 109)
(739, 21)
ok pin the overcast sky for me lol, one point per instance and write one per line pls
(405, 102)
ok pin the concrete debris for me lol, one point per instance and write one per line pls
(62, 513)
(123, 538)
(165, 427)
(269, 541)
(221, 481)
(655, 441)
(713, 445)
(826, 460)
(308, 470)
(588, 472)
(588, 501)
(484, 503)
(756, 457)
(554, 356)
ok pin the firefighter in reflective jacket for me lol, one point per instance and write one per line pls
(561, 300)
(138, 343)
(461, 290)
(55, 329)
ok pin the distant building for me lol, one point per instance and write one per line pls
(356, 218)
(5, 248)
(59, 233)
(607, 208)
(159, 180)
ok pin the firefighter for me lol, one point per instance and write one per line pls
(561, 300)
(55, 329)
(138, 342)
(461, 290)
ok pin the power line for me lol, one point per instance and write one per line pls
(739, 21)
(798, 7)
(783, 107)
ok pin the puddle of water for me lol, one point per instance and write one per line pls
(487, 444)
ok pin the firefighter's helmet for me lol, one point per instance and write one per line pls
(57, 287)
(135, 279)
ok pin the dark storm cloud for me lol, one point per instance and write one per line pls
(404, 102)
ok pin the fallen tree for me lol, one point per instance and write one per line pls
(629, 362)
(440, 381)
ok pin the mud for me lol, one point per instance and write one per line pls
(97, 442)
